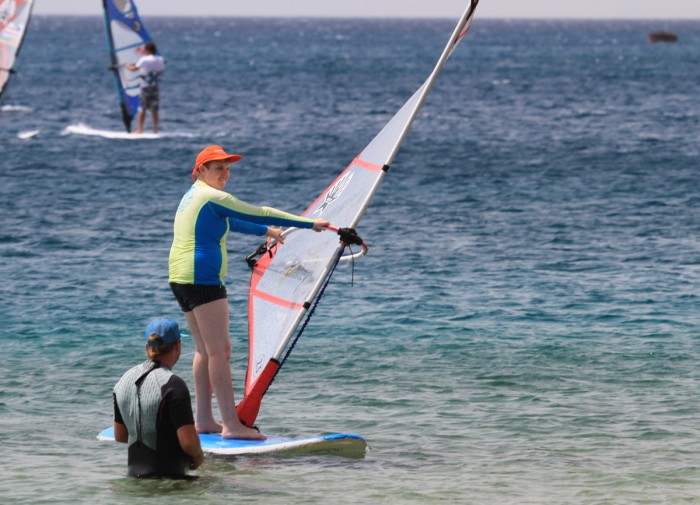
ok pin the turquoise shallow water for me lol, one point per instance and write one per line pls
(524, 329)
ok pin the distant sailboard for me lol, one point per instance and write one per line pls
(82, 129)
(89, 131)
(29, 134)
(126, 38)
(288, 279)
(15, 108)
(14, 18)
(338, 444)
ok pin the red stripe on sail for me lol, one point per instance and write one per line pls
(277, 300)
(358, 162)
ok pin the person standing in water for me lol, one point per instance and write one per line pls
(153, 410)
(150, 67)
(197, 268)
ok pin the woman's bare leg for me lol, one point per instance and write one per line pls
(204, 418)
(213, 323)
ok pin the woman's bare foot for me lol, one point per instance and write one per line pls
(212, 427)
(244, 433)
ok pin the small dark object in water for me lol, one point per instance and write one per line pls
(662, 36)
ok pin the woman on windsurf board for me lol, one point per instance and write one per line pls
(153, 410)
(197, 269)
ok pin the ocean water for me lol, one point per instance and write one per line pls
(523, 331)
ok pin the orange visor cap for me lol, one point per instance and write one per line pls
(213, 153)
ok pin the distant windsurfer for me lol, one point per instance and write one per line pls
(197, 268)
(153, 410)
(150, 67)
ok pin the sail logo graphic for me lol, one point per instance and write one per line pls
(334, 193)
(7, 12)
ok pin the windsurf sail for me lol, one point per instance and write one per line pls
(288, 278)
(14, 18)
(126, 38)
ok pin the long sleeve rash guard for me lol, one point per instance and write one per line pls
(202, 222)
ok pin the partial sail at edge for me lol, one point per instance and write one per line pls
(126, 37)
(287, 280)
(14, 19)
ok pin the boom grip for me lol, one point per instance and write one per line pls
(350, 236)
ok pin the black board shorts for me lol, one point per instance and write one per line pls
(149, 98)
(190, 296)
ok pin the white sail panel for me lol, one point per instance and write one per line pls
(14, 18)
(127, 51)
(293, 274)
(287, 279)
(291, 278)
(379, 150)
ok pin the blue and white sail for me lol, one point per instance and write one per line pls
(14, 18)
(126, 38)
(289, 277)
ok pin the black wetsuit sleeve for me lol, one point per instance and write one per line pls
(177, 397)
(117, 413)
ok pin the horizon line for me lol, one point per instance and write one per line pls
(322, 16)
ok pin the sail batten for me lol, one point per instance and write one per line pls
(14, 19)
(298, 270)
(127, 48)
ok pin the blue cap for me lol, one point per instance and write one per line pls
(166, 328)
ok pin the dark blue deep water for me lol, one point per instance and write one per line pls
(524, 329)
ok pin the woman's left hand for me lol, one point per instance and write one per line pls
(320, 224)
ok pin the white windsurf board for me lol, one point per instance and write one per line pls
(15, 108)
(337, 444)
(82, 129)
(27, 134)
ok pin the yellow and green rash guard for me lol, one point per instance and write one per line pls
(202, 222)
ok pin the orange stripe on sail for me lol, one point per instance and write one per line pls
(366, 164)
(277, 300)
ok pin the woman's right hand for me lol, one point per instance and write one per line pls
(320, 225)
